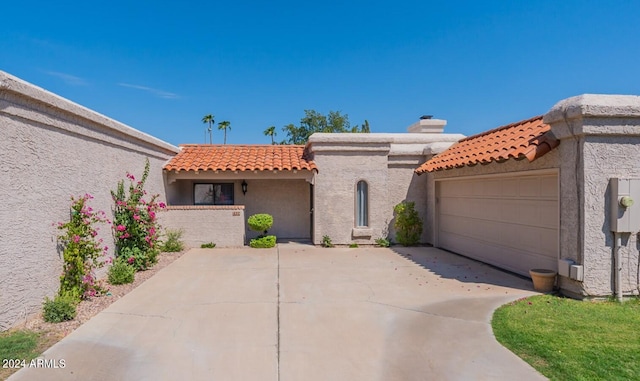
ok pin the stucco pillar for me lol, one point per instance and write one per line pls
(600, 139)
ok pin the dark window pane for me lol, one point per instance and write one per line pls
(213, 194)
(362, 207)
(203, 194)
(223, 194)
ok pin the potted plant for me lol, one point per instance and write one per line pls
(543, 279)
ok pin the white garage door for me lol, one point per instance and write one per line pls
(510, 222)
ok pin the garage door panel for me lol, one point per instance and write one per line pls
(510, 187)
(511, 222)
(512, 259)
(529, 187)
(549, 187)
(549, 214)
(549, 242)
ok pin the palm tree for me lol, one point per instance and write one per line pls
(208, 119)
(224, 125)
(271, 131)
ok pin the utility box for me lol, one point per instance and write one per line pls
(577, 272)
(625, 205)
(564, 267)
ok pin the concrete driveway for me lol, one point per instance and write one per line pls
(297, 312)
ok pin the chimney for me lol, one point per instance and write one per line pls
(427, 125)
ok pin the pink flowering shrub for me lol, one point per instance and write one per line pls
(81, 251)
(135, 227)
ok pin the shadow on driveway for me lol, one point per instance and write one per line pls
(463, 269)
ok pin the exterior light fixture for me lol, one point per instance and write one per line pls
(244, 187)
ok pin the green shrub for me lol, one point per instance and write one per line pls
(353, 245)
(408, 224)
(139, 259)
(121, 272)
(260, 222)
(81, 251)
(383, 242)
(61, 308)
(208, 245)
(326, 241)
(135, 224)
(173, 243)
(263, 242)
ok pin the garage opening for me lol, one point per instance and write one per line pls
(510, 221)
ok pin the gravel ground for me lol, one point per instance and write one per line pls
(90, 307)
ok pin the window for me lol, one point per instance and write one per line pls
(362, 204)
(213, 194)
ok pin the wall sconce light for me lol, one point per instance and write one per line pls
(244, 187)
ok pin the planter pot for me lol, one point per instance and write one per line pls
(543, 280)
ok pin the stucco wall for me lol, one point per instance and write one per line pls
(288, 201)
(600, 137)
(222, 225)
(599, 240)
(386, 162)
(52, 149)
(286, 196)
(335, 191)
(405, 185)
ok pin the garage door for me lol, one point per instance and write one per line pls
(510, 222)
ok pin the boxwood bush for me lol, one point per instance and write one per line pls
(263, 242)
(260, 222)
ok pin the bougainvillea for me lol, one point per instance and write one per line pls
(135, 226)
(82, 251)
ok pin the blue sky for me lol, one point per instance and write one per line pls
(160, 66)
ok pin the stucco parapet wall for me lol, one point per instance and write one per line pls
(394, 144)
(600, 114)
(13, 88)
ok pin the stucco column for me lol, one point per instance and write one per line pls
(600, 139)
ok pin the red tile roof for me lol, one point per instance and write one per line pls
(528, 139)
(205, 157)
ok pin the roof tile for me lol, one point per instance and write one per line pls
(206, 157)
(529, 139)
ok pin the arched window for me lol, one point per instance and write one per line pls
(362, 204)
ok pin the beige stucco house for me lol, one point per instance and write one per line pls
(545, 192)
(212, 189)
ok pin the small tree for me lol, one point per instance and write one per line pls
(314, 121)
(261, 223)
(408, 224)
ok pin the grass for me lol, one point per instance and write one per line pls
(566, 339)
(22, 345)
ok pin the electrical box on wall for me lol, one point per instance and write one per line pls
(564, 267)
(625, 205)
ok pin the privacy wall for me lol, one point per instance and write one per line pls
(52, 149)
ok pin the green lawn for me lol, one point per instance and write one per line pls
(21, 345)
(566, 339)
